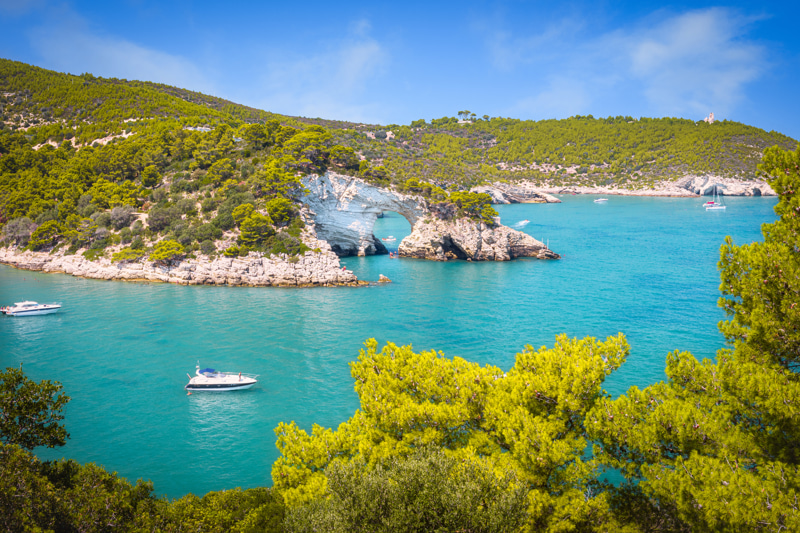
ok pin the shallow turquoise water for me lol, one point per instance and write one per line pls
(642, 266)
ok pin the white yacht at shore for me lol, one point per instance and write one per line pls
(212, 380)
(29, 308)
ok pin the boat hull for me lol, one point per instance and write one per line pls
(218, 387)
(33, 312)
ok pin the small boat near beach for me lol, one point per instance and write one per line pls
(389, 239)
(29, 308)
(601, 200)
(212, 380)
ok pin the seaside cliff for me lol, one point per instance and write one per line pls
(344, 210)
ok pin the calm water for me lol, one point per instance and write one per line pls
(642, 266)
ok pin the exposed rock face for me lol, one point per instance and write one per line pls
(442, 240)
(344, 210)
(311, 269)
(687, 186)
(504, 193)
(704, 186)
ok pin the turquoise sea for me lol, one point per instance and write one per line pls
(642, 266)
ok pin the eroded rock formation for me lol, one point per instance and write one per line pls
(505, 193)
(442, 240)
(345, 209)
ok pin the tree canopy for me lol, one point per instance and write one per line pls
(30, 412)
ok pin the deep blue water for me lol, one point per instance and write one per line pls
(642, 266)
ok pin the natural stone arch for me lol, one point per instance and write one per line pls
(345, 209)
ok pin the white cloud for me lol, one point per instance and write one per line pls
(674, 65)
(696, 62)
(331, 83)
(66, 43)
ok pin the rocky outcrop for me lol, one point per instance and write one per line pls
(705, 185)
(442, 240)
(344, 210)
(505, 193)
(320, 268)
(687, 186)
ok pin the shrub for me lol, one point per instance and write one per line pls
(102, 219)
(121, 216)
(45, 235)
(242, 212)
(207, 232)
(256, 228)
(127, 254)
(159, 219)
(18, 231)
(207, 247)
(167, 251)
(280, 211)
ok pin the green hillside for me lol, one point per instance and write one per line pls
(119, 167)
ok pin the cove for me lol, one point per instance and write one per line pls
(642, 266)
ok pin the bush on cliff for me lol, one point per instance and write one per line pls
(167, 251)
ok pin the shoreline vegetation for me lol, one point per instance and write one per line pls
(132, 172)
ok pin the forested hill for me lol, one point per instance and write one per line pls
(80, 155)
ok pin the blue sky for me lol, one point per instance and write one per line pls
(397, 62)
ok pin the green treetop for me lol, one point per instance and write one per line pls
(30, 412)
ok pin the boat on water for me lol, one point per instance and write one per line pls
(601, 200)
(212, 380)
(29, 308)
(389, 239)
(716, 204)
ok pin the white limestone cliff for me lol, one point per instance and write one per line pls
(344, 210)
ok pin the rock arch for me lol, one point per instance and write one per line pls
(345, 209)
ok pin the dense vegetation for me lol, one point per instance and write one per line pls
(442, 444)
(131, 170)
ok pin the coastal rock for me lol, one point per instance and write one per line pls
(442, 240)
(687, 186)
(383, 279)
(344, 210)
(522, 193)
(314, 268)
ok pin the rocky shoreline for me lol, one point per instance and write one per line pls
(312, 269)
(688, 187)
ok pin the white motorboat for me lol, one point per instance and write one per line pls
(212, 380)
(28, 308)
(389, 239)
(601, 200)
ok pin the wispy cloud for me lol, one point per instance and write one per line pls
(669, 64)
(67, 43)
(331, 83)
(697, 61)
